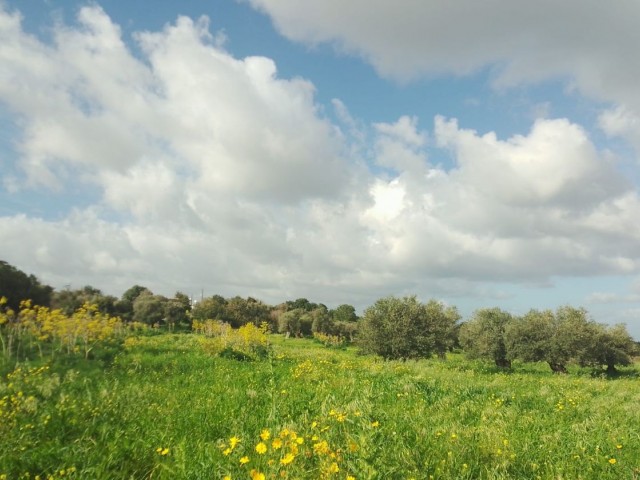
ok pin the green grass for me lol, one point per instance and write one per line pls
(106, 418)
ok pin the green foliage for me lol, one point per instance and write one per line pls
(71, 300)
(16, 286)
(210, 308)
(168, 409)
(403, 328)
(149, 308)
(557, 338)
(296, 323)
(484, 336)
(248, 342)
(344, 313)
(240, 311)
(612, 346)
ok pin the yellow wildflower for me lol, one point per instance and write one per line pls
(244, 460)
(277, 443)
(287, 459)
(233, 442)
(261, 448)
(265, 434)
(256, 475)
(612, 461)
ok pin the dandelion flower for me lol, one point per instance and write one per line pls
(618, 446)
(334, 468)
(276, 444)
(375, 424)
(256, 475)
(244, 460)
(287, 459)
(261, 448)
(233, 442)
(612, 461)
(265, 434)
(164, 451)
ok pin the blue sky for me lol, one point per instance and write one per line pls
(480, 154)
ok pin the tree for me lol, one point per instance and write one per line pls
(295, 322)
(557, 338)
(124, 307)
(16, 286)
(613, 346)
(484, 336)
(344, 313)
(134, 292)
(149, 308)
(210, 308)
(441, 323)
(403, 328)
(240, 311)
(69, 301)
(321, 321)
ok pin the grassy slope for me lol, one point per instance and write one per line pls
(386, 420)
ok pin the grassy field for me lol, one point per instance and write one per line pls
(161, 407)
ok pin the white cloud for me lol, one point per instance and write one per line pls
(225, 176)
(88, 102)
(589, 44)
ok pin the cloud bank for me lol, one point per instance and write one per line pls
(214, 172)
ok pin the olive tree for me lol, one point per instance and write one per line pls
(483, 336)
(613, 346)
(556, 338)
(404, 328)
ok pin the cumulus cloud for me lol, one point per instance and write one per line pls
(214, 172)
(233, 125)
(589, 44)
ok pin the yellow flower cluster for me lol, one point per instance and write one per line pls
(248, 341)
(39, 325)
(330, 340)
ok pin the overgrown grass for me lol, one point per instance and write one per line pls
(163, 407)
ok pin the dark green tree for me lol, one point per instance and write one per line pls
(16, 286)
(149, 308)
(344, 313)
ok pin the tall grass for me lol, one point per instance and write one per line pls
(165, 407)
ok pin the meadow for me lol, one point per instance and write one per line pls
(173, 406)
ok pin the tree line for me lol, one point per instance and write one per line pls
(393, 327)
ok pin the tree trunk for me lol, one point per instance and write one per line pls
(503, 363)
(557, 367)
(611, 368)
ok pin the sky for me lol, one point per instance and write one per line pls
(480, 153)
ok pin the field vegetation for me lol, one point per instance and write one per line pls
(146, 387)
